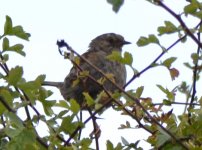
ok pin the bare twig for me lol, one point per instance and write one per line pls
(176, 103)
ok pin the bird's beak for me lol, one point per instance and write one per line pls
(126, 42)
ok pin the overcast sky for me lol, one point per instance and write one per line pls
(78, 22)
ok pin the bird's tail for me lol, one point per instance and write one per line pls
(50, 83)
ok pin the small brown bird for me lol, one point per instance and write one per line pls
(99, 49)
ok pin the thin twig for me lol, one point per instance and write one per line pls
(179, 19)
(176, 103)
(95, 128)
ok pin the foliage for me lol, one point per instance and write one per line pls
(167, 130)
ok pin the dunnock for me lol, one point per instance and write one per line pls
(99, 49)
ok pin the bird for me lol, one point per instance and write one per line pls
(99, 48)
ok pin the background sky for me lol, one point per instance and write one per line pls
(78, 22)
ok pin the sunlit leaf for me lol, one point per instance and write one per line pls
(128, 58)
(90, 101)
(74, 106)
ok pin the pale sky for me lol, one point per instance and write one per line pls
(78, 22)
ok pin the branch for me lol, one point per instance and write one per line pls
(3, 101)
(153, 62)
(179, 19)
(177, 103)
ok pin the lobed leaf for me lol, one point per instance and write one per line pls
(8, 26)
(167, 29)
(15, 75)
(151, 39)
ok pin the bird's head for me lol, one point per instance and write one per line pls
(108, 42)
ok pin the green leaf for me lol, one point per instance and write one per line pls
(110, 145)
(115, 56)
(15, 121)
(40, 79)
(8, 26)
(116, 4)
(162, 137)
(195, 58)
(90, 101)
(62, 104)
(168, 62)
(68, 125)
(15, 48)
(139, 91)
(169, 94)
(143, 41)
(5, 44)
(7, 97)
(128, 58)
(15, 75)
(168, 28)
(153, 39)
(19, 32)
(31, 85)
(26, 139)
(85, 143)
(191, 8)
(74, 106)
(167, 102)
(47, 106)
